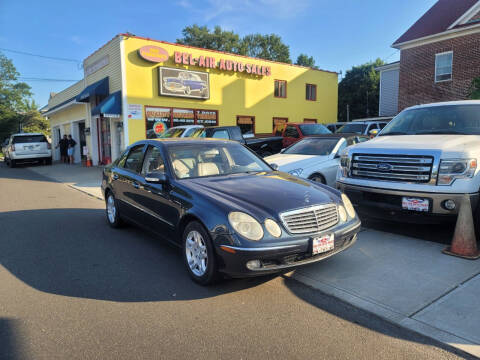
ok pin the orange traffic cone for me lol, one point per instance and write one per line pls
(89, 162)
(464, 243)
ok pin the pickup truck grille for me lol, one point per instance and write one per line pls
(310, 219)
(405, 168)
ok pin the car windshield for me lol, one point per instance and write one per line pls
(200, 132)
(443, 119)
(313, 129)
(22, 139)
(172, 133)
(352, 129)
(213, 159)
(312, 147)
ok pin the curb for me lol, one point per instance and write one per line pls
(83, 191)
(446, 339)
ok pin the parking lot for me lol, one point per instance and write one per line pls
(74, 288)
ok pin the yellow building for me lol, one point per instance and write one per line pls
(136, 87)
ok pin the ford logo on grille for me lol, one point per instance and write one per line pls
(384, 167)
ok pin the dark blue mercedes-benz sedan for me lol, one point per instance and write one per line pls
(229, 211)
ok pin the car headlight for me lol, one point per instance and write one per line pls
(273, 228)
(348, 206)
(245, 225)
(296, 172)
(342, 213)
(450, 170)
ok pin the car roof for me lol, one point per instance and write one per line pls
(186, 127)
(303, 123)
(184, 141)
(27, 134)
(460, 102)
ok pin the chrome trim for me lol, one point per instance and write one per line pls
(260, 249)
(322, 215)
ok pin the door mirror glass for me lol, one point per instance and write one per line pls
(274, 166)
(156, 178)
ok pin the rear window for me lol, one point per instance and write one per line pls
(23, 139)
(352, 128)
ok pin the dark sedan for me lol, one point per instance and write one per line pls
(229, 210)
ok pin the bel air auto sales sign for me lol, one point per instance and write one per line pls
(157, 54)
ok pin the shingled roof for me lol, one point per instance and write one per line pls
(437, 19)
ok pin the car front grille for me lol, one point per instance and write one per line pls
(404, 168)
(311, 219)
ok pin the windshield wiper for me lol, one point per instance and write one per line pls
(393, 133)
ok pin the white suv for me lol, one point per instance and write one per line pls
(28, 148)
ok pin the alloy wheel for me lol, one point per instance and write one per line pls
(196, 253)
(111, 209)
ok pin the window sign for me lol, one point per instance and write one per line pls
(183, 117)
(206, 117)
(154, 116)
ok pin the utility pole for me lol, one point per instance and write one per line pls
(368, 112)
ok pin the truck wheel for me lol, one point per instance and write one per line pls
(11, 163)
(318, 178)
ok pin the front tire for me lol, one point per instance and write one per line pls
(318, 178)
(198, 254)
(11, 163)
(113, 216)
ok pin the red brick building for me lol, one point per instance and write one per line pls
(440, 54)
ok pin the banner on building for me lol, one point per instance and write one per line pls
(184, 83)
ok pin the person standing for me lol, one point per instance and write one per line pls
(63, 145)
(71, 148)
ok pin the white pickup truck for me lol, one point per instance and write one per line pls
(420, 165)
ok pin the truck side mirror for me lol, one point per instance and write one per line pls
(274, 166)
(373, 132)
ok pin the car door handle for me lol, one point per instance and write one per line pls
(115, 177)
(136, 185)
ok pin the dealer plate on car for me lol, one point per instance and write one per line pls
(322, 244)
(415, 204)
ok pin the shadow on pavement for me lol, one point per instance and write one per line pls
(9, 340)
(347, 312)
(73, 252)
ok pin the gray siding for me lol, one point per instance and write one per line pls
(389, 80)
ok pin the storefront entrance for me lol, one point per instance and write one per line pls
(104, 140)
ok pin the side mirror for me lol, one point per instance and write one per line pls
(373, 132)
(274, 166)
(281, 151)
(156, 178)
(337, 155)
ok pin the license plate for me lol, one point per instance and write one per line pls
(28, 147)
(415, 204)
(322, 244)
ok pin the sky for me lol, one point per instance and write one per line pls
(339, 34)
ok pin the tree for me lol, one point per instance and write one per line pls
(359, 89)
(269, 47)
(475, 89)
(200, 36)
(17, 110)
(305, 60)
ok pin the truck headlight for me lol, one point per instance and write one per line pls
(296, 172)
(344, 165)
(453, 169)
(246, 225)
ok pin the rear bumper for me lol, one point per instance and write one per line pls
(33, 156)
(282, 257)
(387, 204)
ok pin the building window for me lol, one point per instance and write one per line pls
(279, 125)
(311, 92)
(310, 121)
(443, 66)
(280, 89)
(246, 124)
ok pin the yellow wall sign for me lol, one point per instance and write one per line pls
(152, 53)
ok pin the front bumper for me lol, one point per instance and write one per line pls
(279, 257)
(387, 204)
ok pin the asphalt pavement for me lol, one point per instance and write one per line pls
(73, 288)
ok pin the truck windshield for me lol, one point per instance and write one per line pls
(313, 129)
(352, 128)
(312, 146)
(442, 119)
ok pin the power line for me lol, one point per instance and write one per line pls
(45, 79)
(396, 51)
(41, 56)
